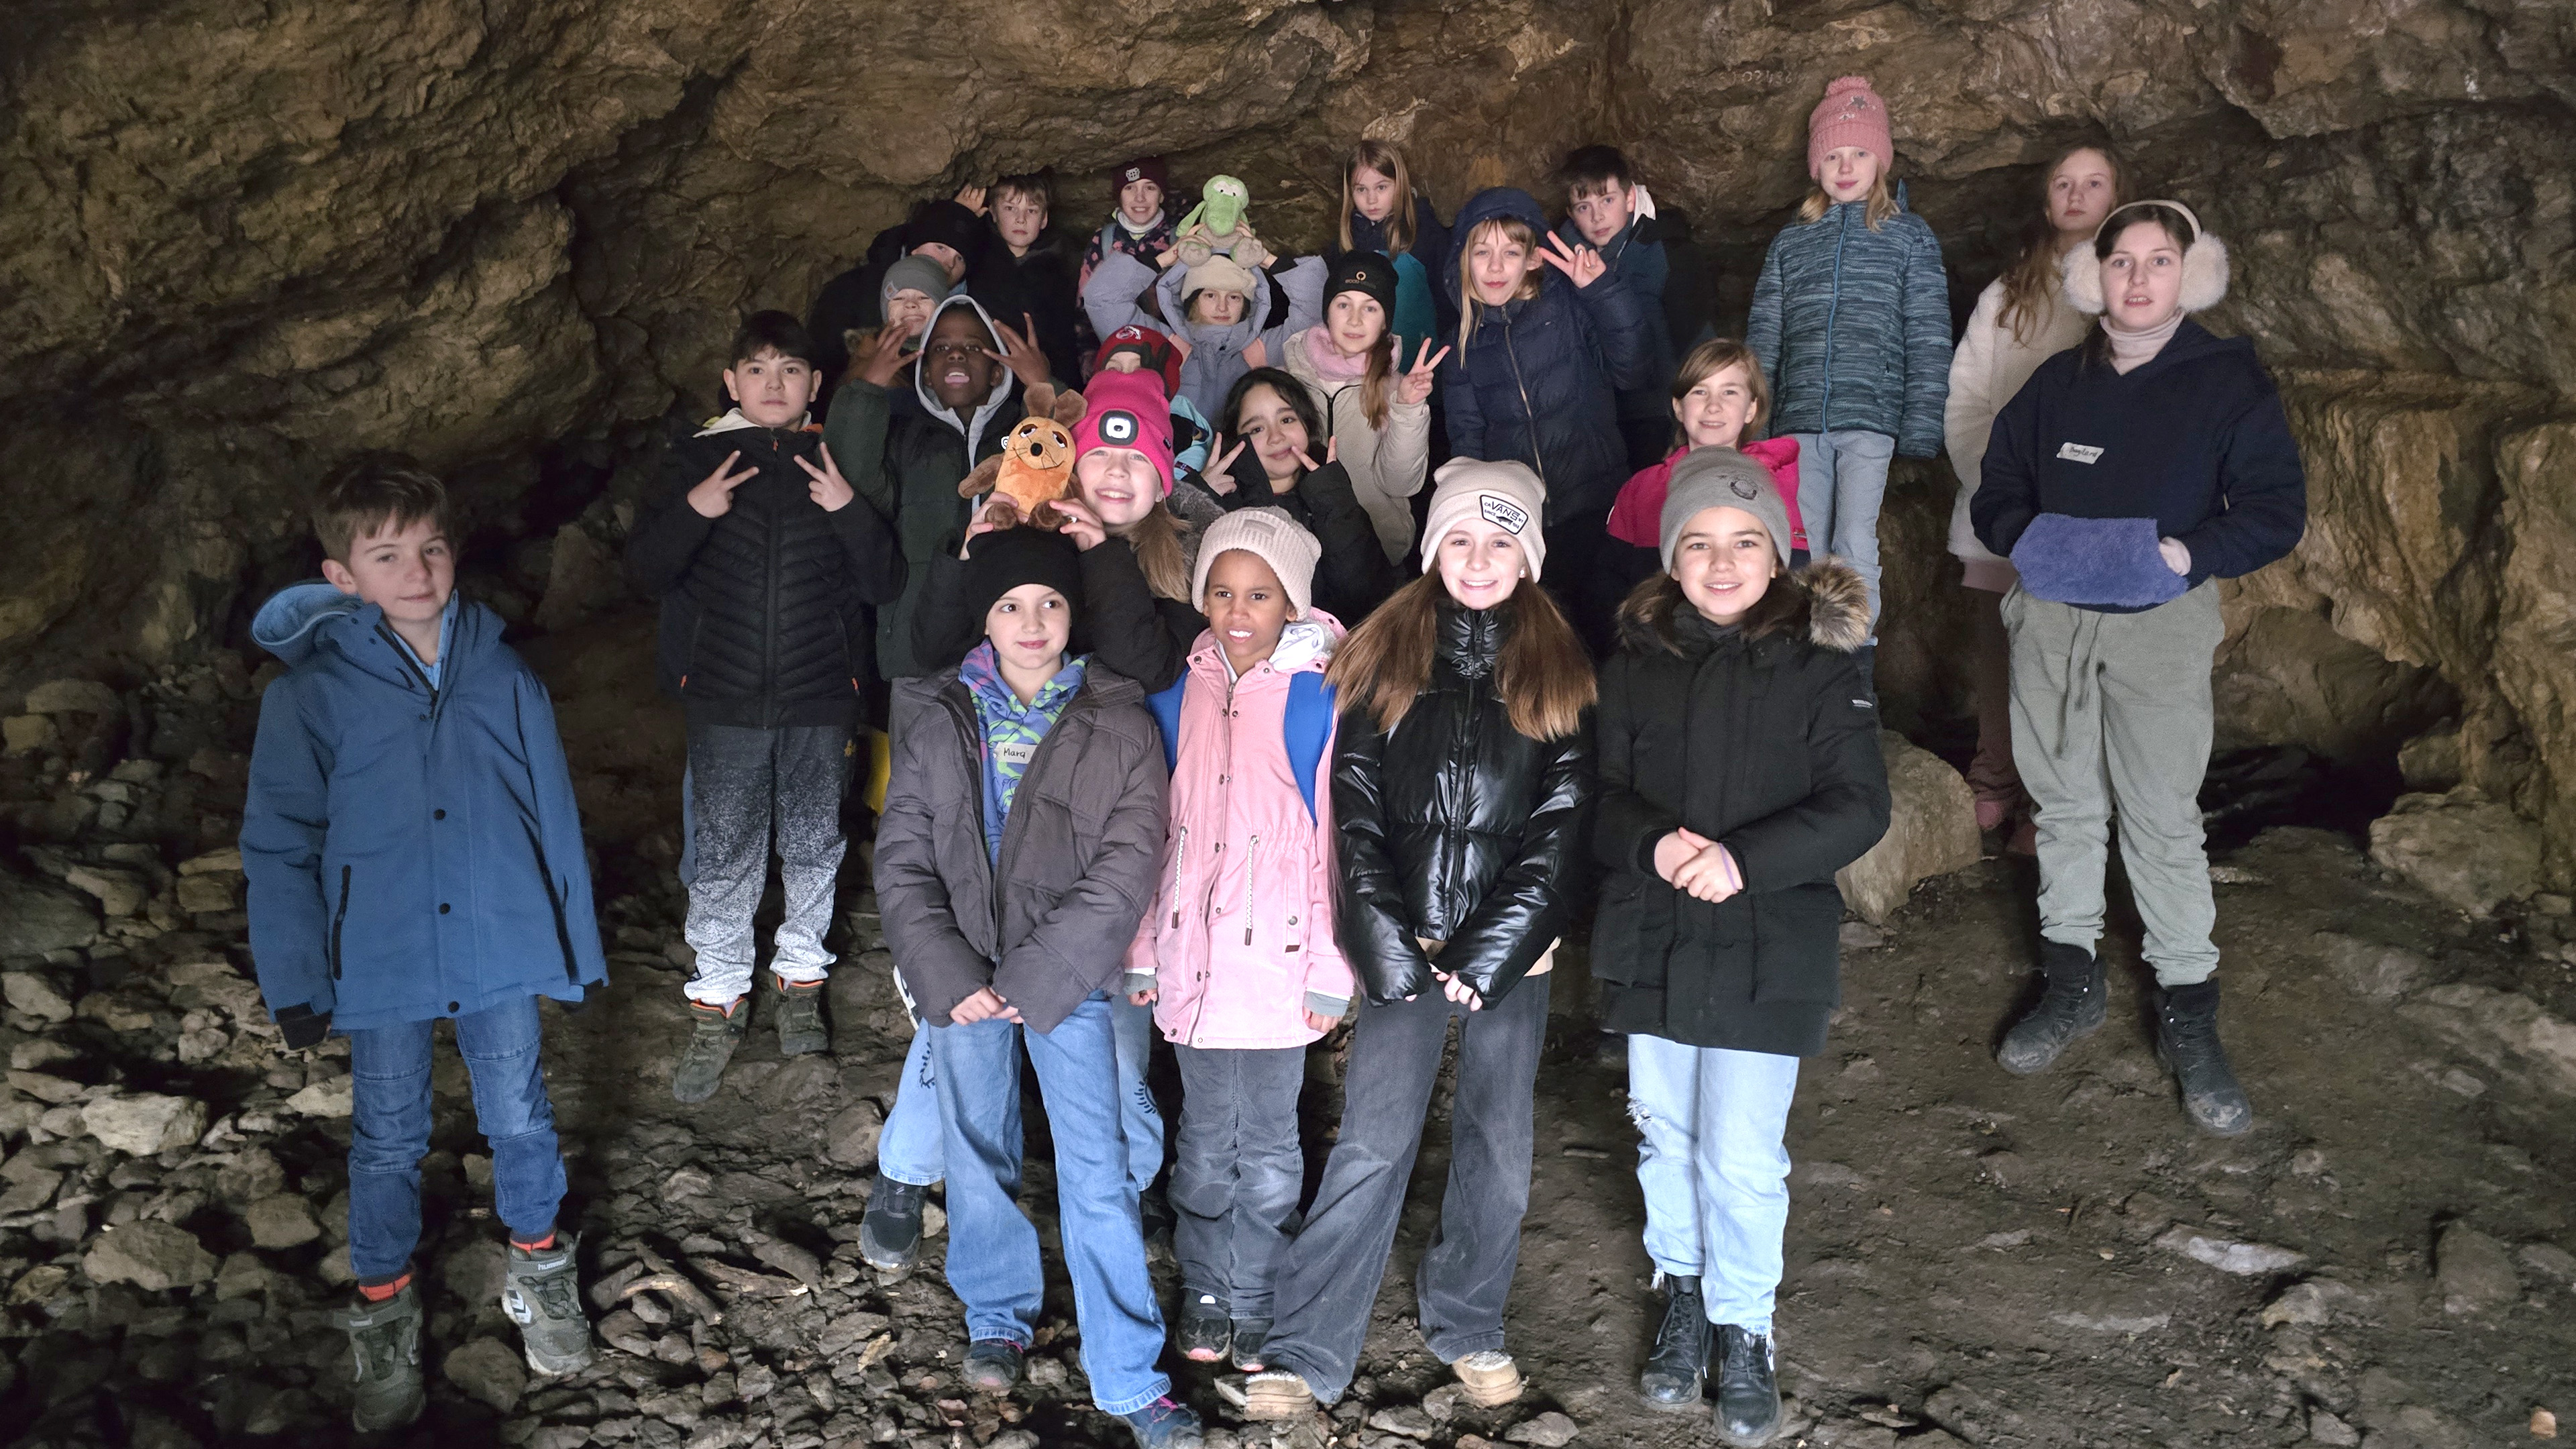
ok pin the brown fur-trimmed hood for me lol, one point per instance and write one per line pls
(1828, 603)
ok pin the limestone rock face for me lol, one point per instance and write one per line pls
(2462, 849)
(1932, 830)
(245, 239)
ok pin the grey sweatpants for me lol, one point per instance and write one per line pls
(2111, 714)
(752, 790)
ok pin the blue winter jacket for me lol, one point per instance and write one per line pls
(1853, 328)
(1637, 255)
(1535, 382)
(411, 853)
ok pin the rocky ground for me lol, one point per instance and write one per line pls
(1973, 1258)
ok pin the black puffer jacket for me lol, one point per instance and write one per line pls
(1457, 828)
(1768, 746)
(764, 609)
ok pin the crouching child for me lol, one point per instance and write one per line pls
(414, 852)
(1022, 830)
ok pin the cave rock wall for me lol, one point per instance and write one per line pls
(242, 238)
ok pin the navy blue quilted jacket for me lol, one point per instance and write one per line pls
(1535, 382)
(1853, 328)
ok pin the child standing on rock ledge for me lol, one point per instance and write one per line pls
(413, 852)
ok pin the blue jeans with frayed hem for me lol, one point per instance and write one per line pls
(993, 1247)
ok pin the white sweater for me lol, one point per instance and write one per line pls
(1387, 465)
(1986, 369)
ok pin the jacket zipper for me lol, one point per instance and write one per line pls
(1180, 865)
(338, 917)
(1833, 308)
(769, 613)
(1529, 415)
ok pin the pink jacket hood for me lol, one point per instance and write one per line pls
(1241, 929)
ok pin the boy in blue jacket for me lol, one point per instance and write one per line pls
(414, 852)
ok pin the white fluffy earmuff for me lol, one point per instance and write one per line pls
(2204, 265)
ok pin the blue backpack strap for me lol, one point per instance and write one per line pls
(1305, 727)
(1166, 705)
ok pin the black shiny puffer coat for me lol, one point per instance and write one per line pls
(1457, 828)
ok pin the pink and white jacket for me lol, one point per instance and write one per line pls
(1239, 943)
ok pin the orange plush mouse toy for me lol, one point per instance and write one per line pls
(1035, 466)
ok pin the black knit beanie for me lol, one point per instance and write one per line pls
(1368, 273)
(1002, 560)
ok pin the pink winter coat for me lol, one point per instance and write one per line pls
(1638, 517)
(1241, 929)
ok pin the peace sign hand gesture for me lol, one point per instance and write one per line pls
(1332, 454)
(1582, 264)
(885, 358)
(713, 497)
(1416, 384)
(1018, 353)
(1219, 475)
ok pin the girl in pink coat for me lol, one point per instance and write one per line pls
(1237, 955)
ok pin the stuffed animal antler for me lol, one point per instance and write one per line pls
(1035, 466)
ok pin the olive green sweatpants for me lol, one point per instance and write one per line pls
(2111, 716)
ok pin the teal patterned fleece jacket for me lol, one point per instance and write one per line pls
(1853, 328)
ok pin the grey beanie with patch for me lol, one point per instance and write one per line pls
(1717, 477)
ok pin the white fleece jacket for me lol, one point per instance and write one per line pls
(1986, 369)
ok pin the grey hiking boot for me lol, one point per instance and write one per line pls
(890, 1230)
(800, 1019)
(541, 1291)
(2187, 1042)
(2069, 1010)
(714, 1032)
(385, 1338)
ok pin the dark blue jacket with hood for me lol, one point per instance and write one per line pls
(1536, 379)
(411, 852)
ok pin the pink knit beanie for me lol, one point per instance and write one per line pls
(1851, 114)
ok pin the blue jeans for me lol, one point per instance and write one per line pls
(389, 1129)
(1714, 1168)
(993, 1247)
(1842, 478)
(910, 1148)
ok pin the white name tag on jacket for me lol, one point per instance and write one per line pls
(2077, 452)
(1015, 754)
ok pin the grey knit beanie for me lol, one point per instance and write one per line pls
(1722, 478)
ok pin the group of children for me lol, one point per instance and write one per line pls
(1234, 743)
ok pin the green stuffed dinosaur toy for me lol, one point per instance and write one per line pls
(1216, 225)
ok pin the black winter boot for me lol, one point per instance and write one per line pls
(1748, 1388)
(2187, 1042)
(890, 1230)
(1678, 1367)
(2070, 1010)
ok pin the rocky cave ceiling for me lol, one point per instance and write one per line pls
(241, 239)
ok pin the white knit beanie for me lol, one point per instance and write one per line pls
(1270, 535)
(1506, 495)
